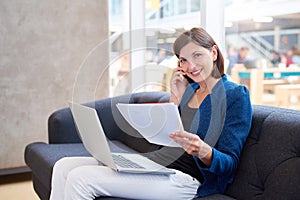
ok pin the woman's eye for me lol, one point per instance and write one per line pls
(197, 55)
(182, 61)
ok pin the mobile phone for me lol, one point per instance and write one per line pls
(188, 79)
(185, 76)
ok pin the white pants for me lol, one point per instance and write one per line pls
(84, 178)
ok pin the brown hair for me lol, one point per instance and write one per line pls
(200, 37)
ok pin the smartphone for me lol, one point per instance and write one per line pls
(188, 79)
(185, 76)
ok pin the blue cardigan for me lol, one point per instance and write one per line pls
(226, 113)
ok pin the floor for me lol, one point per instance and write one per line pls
(17, 186)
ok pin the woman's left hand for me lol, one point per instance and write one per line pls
(193, 145)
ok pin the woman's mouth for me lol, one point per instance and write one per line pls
(196, 72)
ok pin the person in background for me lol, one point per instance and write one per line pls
(237, 58)
(162, 55)
(296, 55)
(289, 57)
(284, 45)
(274, 58)
(286, 58)
(212, 108)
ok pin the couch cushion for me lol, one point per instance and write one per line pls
(117, 128)
(41, 157)
(61, 127)
(270, 162)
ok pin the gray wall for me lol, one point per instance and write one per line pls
(47, 59)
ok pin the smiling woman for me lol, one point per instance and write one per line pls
(200, 59)
(213, 97)
(199, 64)
(204, 163)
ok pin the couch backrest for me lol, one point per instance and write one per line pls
(61, 127)
(117, 127)
(270, 160)
(270, 164)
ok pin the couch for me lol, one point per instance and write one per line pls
(269, 167)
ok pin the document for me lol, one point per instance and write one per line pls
(154, 121)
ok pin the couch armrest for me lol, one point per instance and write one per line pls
(61, 128)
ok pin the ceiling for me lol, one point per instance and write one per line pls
(290, 21)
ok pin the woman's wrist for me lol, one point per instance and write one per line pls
(206, 154)
(174, 99)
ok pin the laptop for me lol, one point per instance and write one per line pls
(94, 140)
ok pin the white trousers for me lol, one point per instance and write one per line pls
(84, 178)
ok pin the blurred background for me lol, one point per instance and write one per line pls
(256, 36)
(55, 51)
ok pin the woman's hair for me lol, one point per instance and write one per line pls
(200, 37)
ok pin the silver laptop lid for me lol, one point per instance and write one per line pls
(94, 140)
(90, 130)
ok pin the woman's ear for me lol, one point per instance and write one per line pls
(215, 52)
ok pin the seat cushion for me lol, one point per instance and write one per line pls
(41, 157)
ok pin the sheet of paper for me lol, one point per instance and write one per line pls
(155, 121)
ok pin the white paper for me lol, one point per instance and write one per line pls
(155, 121)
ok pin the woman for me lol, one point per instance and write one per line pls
(216, 115)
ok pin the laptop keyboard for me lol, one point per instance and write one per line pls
(124, 162)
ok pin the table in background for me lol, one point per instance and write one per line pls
(256, 79)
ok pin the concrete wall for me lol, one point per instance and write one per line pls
(47, 59)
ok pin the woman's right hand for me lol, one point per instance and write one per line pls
(178, 85)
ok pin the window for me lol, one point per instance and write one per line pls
(273, 40)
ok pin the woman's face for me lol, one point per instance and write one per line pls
(197, 61)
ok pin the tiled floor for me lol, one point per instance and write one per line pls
(17, 187)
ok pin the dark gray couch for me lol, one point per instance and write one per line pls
(269, 166)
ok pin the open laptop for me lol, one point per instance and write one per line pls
(95, 142)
